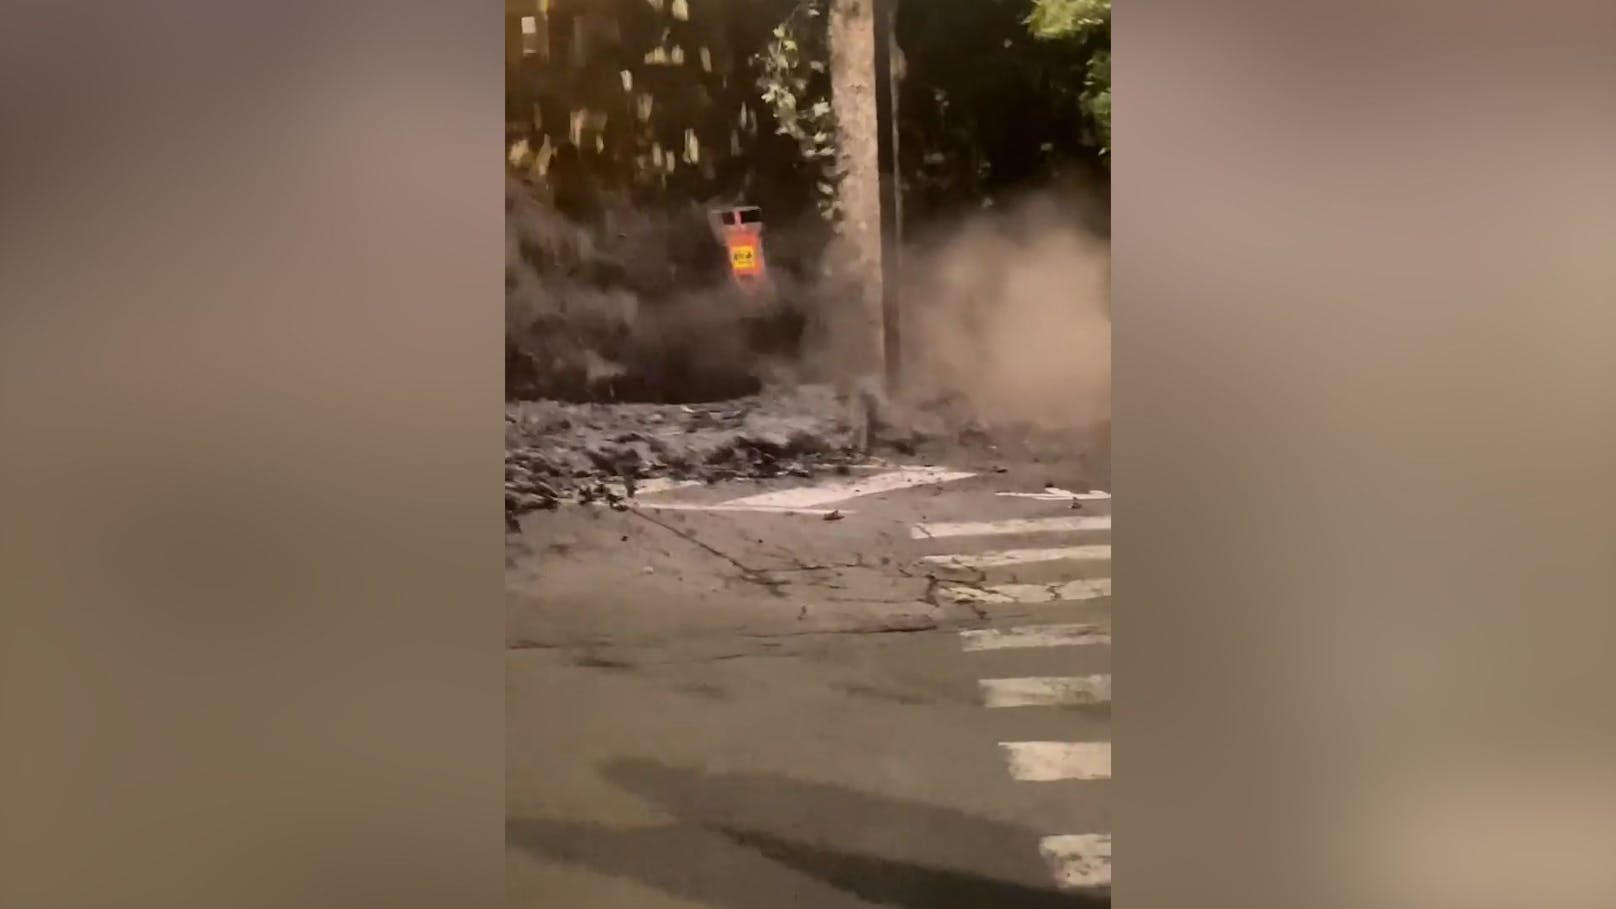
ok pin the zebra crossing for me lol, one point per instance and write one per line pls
(1081, 860)
(1074, 572)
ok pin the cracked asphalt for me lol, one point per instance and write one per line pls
(733, 709)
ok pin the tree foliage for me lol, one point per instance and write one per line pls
(794, 81)
(653, 99)
(716, 101)
(1065, 18)
(1086, 23)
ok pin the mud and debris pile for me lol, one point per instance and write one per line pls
(558, 452)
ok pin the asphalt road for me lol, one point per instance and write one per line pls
(744, 709)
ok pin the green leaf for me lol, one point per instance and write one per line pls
(1057, 19)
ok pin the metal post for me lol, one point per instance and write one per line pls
(886, 118)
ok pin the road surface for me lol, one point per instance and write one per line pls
(722, 699)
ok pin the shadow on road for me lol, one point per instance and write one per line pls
(741, 841)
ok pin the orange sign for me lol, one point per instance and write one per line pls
(740, 229)
(743, 260)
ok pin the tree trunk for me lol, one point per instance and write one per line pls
(857, 335)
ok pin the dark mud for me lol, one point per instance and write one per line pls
(557, 451)
(560, 452)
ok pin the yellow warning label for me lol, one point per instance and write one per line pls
(743, 258)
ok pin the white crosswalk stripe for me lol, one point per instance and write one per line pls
(814, 498)
(1064, 634)
(1045, 762)
(1012, 526)
(1079, 861)
(826, 493)
(1005, 558)
(1056, 494)
(1080, 589)
(753, 509)
(1047, 691)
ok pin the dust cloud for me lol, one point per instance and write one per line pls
(1006, 313)
(623, 307)
(1009, 314)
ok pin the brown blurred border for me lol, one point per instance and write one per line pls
(1363, 437)
(251, 268)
